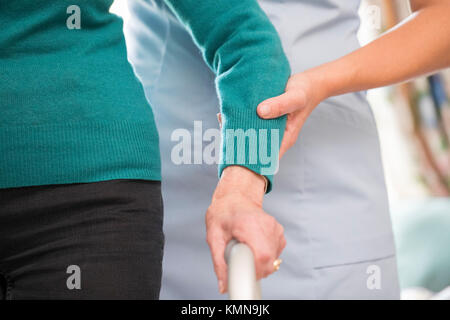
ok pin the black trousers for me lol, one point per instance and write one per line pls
(101, 240)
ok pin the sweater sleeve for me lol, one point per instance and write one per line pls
(242, 47)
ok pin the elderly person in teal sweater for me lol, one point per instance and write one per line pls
(80, 198)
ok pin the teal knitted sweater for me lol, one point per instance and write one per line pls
(72, 110)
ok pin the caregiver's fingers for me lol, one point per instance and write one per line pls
(294, 124)
(290, 101)
(288, 141)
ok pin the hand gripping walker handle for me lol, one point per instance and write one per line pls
(242, 283)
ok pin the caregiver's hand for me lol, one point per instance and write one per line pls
(303, 94)
(419, 45)
(236, 212)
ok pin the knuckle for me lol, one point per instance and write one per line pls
(209, 240)
(280, 227)
(267, 272)
(209, 215)
(264, 257)
(271, 220)
(240, 230)
(283, 243)
(211, 237)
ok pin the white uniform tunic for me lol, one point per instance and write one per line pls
(329, 193)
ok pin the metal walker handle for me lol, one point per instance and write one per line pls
(242, 284)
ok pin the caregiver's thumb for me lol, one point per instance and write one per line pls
(288, 102)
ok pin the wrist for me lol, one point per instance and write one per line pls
(238, 179)
(323, 87)
(333, 78)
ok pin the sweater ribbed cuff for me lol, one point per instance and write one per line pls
(251, 142)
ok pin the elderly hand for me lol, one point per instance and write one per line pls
(236, 212)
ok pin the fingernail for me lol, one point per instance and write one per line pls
(221, 286)
(264, 110)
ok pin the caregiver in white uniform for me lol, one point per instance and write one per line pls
(329, 193)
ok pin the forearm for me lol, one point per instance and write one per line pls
(242, 47)
(419, 46)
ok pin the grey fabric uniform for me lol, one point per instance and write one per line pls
(329, 193)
